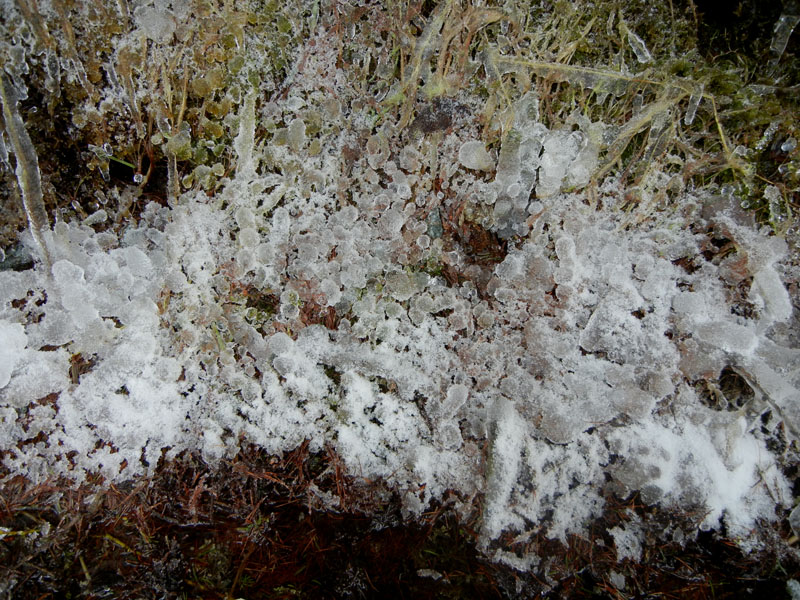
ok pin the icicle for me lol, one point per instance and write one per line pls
(783, 30)
(637, 44)
(4, 152)
(28, 176)
(694, 102)
(244, 142)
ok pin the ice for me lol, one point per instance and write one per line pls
(360, 300)
(774, 200)
(691, 109)
(377, 151)
(473, 155)
(768, 292)
(157, 22)
(638, 46)
(27, 169)
(297, 134)
(4, 153)
(794, 520)
(332, 291)
(730, 337)
(244, 141)
(12, 343)
(617, 580)
(612, 330)
(560, 149)
(690, 304)
(506, 453)
(783, 29)
(456, 398)
(96, 218)
(628, 539)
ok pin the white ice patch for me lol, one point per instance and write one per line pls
(12, 343)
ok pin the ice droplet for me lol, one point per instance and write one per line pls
(95, 218)
(769, 132)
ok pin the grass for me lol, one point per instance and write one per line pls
(265, 526)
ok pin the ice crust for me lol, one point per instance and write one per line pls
(278, 312)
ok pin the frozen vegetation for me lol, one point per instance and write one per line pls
(330, 286)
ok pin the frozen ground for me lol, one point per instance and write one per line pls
(331, 290)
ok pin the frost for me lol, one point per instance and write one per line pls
(443, 323)
(507, 444)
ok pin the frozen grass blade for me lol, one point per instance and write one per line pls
(28, 176)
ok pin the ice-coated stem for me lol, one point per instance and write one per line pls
(783, 30)
(27, 171)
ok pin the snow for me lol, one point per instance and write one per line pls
(305, 300)
(628, 540)
(793, 587)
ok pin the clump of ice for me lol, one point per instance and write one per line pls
(313, 297)
(14, 342)
(532, 160)
(473, 155)
(157, 22)
(559, 150)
